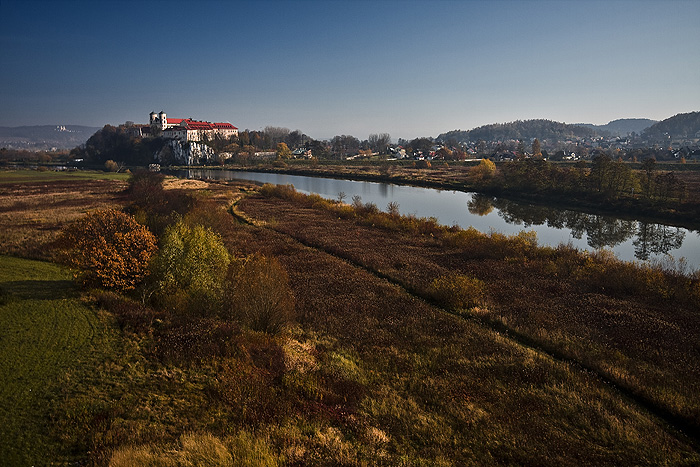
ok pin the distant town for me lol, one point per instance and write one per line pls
(676, 138)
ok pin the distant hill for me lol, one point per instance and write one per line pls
(45, 137)
(681, 126)
(622, 127)
(520, 130)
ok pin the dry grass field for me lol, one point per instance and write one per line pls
(645, 342)
(545, 371)
(34, 206)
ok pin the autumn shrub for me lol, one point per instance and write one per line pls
(392, 208)
(107, 249)
(191, 269)
(184, 342)
(602, 272)
(457, 291)
(484, 171)
(258, 294)
(111, 166)
(287, 192)
(131, 315)
(249, 392)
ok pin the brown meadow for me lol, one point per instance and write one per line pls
(373, 372)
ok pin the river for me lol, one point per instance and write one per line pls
(629, 239)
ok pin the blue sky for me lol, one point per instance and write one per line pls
(408, 68)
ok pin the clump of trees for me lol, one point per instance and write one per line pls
(605, 179)
(186, 271)
(117, 144)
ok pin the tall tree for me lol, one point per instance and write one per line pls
(536, 149)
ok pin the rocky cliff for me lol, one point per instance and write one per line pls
(176, 152)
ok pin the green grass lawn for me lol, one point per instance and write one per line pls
(20, 176)
(45, 333)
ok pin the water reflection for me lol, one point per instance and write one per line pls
(656, 239)
(600, 231)
(480, 205)
(628, 239)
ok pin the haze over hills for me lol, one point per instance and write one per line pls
(678, 127)
(45, 137)
(622, 126)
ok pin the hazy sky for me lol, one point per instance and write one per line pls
(408, 68)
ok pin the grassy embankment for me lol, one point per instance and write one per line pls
(370, 375)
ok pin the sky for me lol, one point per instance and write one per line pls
(335, 67)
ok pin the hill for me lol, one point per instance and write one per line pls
(45, 137)
(520, 130)
(622, 126)
(681, 126)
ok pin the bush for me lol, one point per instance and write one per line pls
(107, 249)
(190, 268)
(259, 294)
(457, 292)
(111, 166)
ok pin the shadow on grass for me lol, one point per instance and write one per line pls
(38, 290)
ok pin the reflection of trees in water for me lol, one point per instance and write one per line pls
(656, 239)
(606, 231)
(601, 231)
(480, 204)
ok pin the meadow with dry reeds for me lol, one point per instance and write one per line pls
(378, 363)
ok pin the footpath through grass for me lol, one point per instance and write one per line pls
(45, 333)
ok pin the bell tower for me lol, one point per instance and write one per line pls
(163, 120)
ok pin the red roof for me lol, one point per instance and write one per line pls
(196, 125)
(224, 126)
(192, 125)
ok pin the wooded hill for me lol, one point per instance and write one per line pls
(679, 126)
(520, 130)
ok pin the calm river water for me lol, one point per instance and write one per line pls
(628, 239)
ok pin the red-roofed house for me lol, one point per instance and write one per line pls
(186, 129)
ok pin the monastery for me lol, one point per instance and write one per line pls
(183, 129)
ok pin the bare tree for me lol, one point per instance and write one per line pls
(276, 134)
(379, 142)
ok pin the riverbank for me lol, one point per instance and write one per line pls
(443, 176)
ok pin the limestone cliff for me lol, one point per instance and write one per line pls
(176, 152)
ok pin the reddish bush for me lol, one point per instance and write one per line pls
(108, 249)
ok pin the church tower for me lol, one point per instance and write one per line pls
(163, 120)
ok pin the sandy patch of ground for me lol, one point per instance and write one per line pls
(176, 183)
